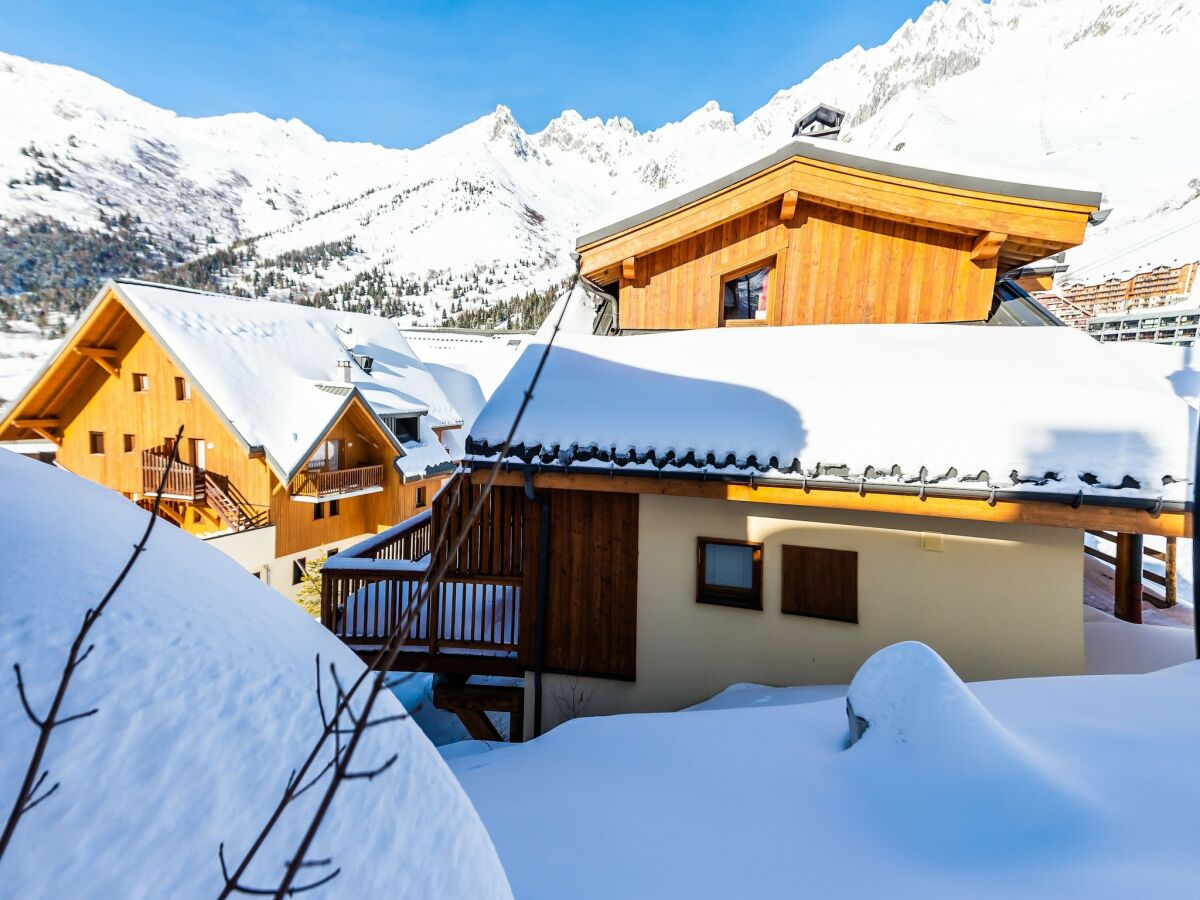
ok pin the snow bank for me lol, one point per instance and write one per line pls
(204, 681)
(1033, 790)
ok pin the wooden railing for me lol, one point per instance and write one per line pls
(363, 604)
(472, 622)
(1168, 581)
(321, 483)
(183, 483)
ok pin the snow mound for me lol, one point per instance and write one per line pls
(204, 680)
(930, 743)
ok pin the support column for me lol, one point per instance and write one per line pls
(1127, 590)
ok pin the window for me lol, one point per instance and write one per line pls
(141, 382)
(420, 496)
(183, 390)
(298, 570)
(334, 507)
(128, 443)
(96, 443)
(820, 583)
(326, 457)
(318, 511)
(332, 552)
(729, 573)
(745, 296)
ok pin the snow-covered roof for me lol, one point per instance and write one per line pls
(272, 368)
(1043, 410)
(986, 178)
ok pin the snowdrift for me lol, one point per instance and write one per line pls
(204, 679)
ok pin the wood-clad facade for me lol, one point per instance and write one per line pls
(113, 399)
(843, 245)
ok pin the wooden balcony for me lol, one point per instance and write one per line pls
(470, 625)
(185, 482)
(326, 482)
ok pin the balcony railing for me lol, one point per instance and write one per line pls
(322, 483)
(183, 481)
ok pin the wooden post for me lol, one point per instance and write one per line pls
(1127, 590)
(1172, 589)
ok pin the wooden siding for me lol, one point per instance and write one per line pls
(363, 443)
(591, 598)
(1033, 229)
(830, 266)
(591, 611)
(109, 405)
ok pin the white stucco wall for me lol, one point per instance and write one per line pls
(998, 601)
(254, 550)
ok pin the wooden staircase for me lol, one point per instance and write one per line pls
(228, 503)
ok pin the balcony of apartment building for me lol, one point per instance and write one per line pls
(187, 481)
(338, 469)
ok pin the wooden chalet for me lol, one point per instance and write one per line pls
(304, 430)
(720, 502)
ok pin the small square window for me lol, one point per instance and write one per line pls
(318, 511)
(96, 443)
(128, 443)
(421, 496)
(141, 382)
(298, 570)
(334, 507)
(729, 573)
(183, 390)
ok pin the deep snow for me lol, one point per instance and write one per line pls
(204, 678)
(1041, 787)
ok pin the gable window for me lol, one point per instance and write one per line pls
(141, 382)
(334, 507)
(820, 583)
(318, 511)
(298, 569)
(183, 389)
(420, 496)
(96, 443)
(128, 443)
(744, 296)
(729, 573)
(327, 457)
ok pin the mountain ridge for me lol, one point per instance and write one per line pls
(489, 211)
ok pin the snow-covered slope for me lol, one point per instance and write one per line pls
(995, 790)
(1101, 88)
(204, 681)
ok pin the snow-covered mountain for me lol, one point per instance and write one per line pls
(1102, 88)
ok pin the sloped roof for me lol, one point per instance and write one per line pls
(271, 369)
(989, 179)
(1030, 410)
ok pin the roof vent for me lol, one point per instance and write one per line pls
(822, 121)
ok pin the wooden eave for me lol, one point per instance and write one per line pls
(1032, 229)
(1059, 515)
(364, 419)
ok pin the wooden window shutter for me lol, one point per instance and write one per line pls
(820, 583)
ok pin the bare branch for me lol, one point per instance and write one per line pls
(25, 700)
(371, 773)
(46, 725)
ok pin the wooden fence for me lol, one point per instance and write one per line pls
(320, 483)
(182, 481)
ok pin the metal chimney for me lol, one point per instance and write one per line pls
(822, 121)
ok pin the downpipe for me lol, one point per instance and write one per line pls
(539, 652)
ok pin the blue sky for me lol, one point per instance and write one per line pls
(402, 73)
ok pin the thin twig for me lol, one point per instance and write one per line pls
(380, 665)
(25, 800)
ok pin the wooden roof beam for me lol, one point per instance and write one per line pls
(787, 211)
(105, 357)
(987, 246)
(43, 428)
(629, 268)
